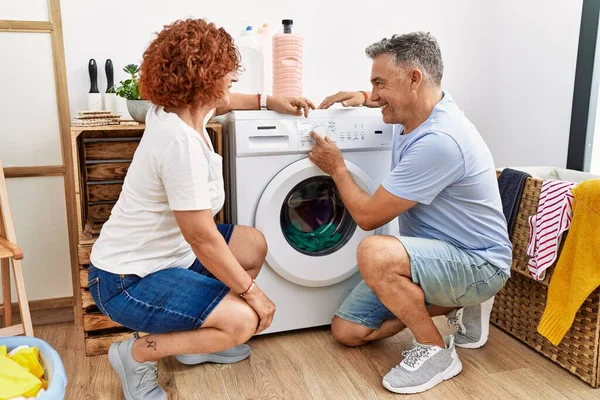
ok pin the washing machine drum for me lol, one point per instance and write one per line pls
(311, 235)
(313, 218)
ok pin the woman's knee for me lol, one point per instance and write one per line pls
(259, 243)
(349, 333)
(242, 323)
(249, 246)
(234, 317)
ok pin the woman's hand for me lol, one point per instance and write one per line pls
(289, 105)
(262, 305)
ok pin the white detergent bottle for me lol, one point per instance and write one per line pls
(287, 62)
(251, 78)
(265, 39)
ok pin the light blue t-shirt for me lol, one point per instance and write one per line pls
(446, 167)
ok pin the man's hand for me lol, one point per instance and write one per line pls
(289, 105)
(263, 306)
(326, 155)
(348, 99)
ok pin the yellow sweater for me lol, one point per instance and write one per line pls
(577, 273)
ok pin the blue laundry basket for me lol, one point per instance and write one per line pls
(53, 366)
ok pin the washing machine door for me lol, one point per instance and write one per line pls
(311, 236)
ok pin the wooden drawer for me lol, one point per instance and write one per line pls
(106, 171)
(103, 192)
(107, 149)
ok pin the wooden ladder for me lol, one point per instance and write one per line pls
(11, 253)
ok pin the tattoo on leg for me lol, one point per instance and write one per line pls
(151, 344)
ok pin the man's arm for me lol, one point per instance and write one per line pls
(430, 165)
(349, 99)
(368, 211)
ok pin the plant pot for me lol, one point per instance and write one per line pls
(138, 109)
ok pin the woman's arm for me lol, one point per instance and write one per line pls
(284, 105)
(238, 101)
(209, 246)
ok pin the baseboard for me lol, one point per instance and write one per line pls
(47, 311)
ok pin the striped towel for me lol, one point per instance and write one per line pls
(555, 211)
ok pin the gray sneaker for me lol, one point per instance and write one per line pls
(472, 324)
(229, 356)
(139, 380)
(423, 367)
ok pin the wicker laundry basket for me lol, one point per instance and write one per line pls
(519, 305)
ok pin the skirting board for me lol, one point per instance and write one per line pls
(47, 311)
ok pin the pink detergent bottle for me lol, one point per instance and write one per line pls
(287, 62)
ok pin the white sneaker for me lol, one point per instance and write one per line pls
(423, 367)
(472, 324)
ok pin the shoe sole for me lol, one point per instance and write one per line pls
(453, 370)
(474, 345)
(115, 361)
(210, 358)
(485, 329)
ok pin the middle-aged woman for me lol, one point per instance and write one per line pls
(161, 265)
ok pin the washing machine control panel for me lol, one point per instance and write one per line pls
(258, 133)
(346, 133)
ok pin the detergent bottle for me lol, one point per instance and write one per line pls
(265, 40)
(252, 76)
(287, 61)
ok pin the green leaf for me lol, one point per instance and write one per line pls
(131, 69)
(129, 88)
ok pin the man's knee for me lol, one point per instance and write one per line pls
(349, 333)
(379, 255)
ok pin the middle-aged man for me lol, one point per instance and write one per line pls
(453, 253)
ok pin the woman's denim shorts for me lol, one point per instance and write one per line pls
(173, 299)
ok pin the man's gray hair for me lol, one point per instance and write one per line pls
(418, 49)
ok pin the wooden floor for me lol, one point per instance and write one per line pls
(310, 364)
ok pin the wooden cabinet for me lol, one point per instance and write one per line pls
(101, 158)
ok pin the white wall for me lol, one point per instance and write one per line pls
(30, 136)
(527, 54)
(509, 64)
(40, 215)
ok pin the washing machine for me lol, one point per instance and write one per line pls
(310, 266)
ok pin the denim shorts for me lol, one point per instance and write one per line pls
(449, 277)
(173, 299)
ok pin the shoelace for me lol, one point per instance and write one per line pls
(456, 322)
(413, 356)
(149, 376)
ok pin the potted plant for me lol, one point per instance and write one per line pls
(129, 90)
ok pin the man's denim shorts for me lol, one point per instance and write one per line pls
(449, 277)
(174, 299)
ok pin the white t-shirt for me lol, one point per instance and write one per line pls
(172, 170)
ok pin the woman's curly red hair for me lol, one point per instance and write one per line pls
(185, 64)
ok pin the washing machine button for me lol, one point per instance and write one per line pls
(320, 130)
